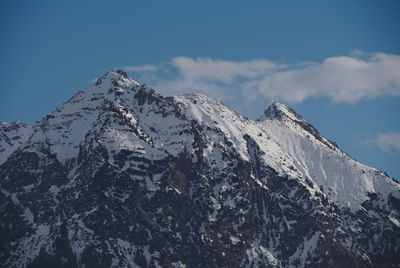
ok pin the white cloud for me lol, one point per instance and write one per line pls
(141, 68)
(387, 142)
(342, 79)
(221, 70)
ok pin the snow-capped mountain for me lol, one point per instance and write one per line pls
(120, 176)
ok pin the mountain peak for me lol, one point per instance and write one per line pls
(113, 78)
(284, 113)
(280, 111)
(118, 74)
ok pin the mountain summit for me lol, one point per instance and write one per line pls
(280, 111)
(120, 176)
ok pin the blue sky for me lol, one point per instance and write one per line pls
(335, 62)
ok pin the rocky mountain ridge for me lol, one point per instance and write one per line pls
(120, 176)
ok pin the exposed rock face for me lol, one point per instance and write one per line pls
(120, 176)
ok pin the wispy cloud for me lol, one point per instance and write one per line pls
(342, 78)
(387, 142)
(221, 70)
(141, 68)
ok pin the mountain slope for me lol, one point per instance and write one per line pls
(119, 176)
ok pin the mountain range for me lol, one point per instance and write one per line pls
(121, 176)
